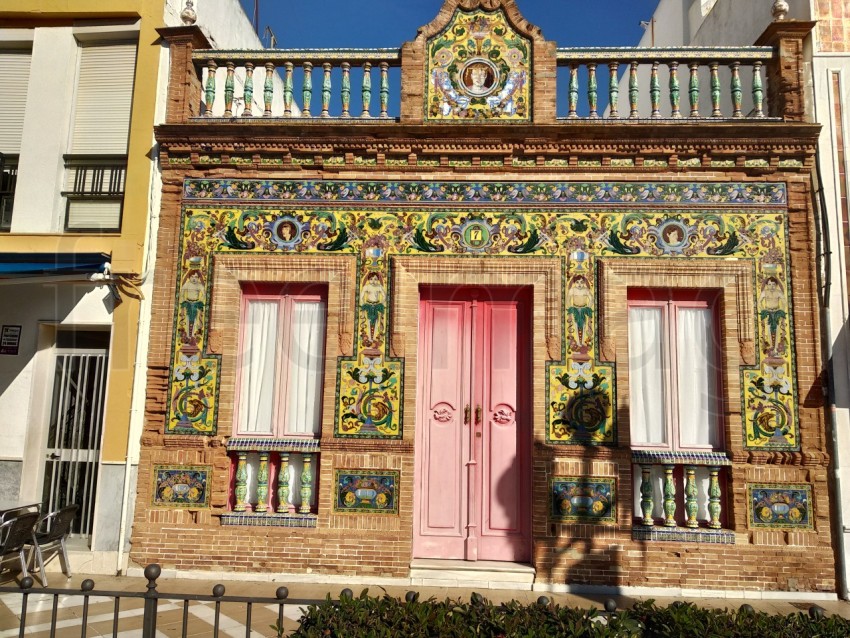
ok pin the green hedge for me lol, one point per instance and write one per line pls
(386, 617)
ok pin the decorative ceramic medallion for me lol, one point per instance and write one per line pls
(181, 486)
(780, 506)
(371, 493)
(577, 499)
(478, 68)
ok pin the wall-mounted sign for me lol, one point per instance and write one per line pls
(10, 339)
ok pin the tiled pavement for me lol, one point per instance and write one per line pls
(233, 616)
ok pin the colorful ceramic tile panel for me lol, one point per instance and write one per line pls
(181, 486)
(577, 222)
(780, 506)
(478, 68)
(583, 499)
(372, 493)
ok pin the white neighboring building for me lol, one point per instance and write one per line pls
(79, 209)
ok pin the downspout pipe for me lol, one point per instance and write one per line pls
(823, 240)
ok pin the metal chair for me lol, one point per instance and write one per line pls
(17, 533)
(50, 534)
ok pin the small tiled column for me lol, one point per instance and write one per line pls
(306, 484)
(669, 497)
(283, 505)
(646, 502)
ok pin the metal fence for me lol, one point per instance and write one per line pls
(151, 608)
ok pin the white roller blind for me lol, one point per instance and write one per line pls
(104, 99)
(14, 81)
(94, 215)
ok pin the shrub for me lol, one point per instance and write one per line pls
(387, 617)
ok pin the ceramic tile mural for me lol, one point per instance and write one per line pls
(780, 506)
(374, 492)
(583, 499)
(575, 221)
(478, 68)
(181, 486)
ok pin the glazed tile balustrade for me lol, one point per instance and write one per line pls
(602, 83)
(313, 98)
(686, 76)
(673, 489)
(273, 482)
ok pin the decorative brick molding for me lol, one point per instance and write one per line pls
(542, 273)
(734, 278)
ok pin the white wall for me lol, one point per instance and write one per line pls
(38, 204)
(60, 303)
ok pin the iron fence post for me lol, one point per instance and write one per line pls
(152, 572)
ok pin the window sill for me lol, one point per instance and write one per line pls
(263, 444)
(254, 519)
(683, 535)
(669, 457)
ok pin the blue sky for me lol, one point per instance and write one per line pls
(389, 23)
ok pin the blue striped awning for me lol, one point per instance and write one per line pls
(41, 264)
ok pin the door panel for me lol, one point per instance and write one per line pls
(442, 480)
(472, 498)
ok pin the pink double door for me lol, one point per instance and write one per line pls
(473, 472)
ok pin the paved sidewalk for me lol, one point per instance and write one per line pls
(233, 616)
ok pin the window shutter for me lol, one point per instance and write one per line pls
(94, 215)
(104, 99)
(14, 81)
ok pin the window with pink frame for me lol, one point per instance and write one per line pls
(674, 385)
(281, 362)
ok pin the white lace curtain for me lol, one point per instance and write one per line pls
(695, 375)
(282, 367)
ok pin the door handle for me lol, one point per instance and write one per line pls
(477, 415)
(54, 456)
(466, 415)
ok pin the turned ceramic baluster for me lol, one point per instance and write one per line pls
(306, 485)
(633, 90)
(228, 89)
(655, 91)
(385, 88)
(693, 89)
(573, 90)
(674, 89)
(367, 88)
(263, 484)
(691, 496)
(248, 90)
(326, 90)
(714, 497)
(737, 93)
(307, 89)
(646, 504)
(715, 90)
(591, 89)
(287, 89)
(758, 91)
(241, 489)
(268, 90)
(209, 95)
(613, 90)
(669, 497)
(345, 89)
(283, 504)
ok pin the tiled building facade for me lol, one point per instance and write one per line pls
(585, 346)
